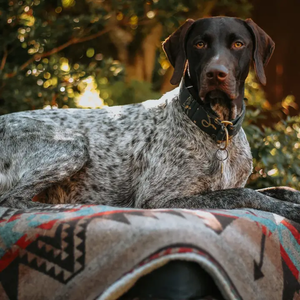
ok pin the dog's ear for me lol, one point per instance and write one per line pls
(263, 48)
(174, 47)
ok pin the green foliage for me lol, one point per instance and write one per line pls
(48, 48)
(40, 66)
(275, 150)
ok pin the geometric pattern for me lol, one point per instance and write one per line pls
(85, 248)
(58, 253)
(60, 256)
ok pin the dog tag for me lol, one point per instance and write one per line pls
(221, 156)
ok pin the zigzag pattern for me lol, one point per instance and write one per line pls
(53, 242)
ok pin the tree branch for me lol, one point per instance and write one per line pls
(65, 45)
(3, 62)
(57, 49)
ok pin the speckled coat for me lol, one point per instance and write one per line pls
(148, 155)
(133, 155)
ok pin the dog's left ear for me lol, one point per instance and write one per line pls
(174, 48)
(263, 49)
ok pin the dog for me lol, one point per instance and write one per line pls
(185, 150)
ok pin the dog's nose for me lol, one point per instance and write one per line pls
(217, 72)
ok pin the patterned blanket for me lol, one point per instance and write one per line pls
(99, 252)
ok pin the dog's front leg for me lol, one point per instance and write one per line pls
(282, 193)
(233, 199)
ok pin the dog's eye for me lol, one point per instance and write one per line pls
(200, 45)
(238, 45)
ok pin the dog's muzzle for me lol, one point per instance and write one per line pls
(217, 83)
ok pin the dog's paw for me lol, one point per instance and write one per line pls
(290, 211)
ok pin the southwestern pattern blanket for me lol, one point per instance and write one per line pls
(99, 252)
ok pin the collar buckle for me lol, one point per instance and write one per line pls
(226, 123)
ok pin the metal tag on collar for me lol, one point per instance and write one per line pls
(219, 152)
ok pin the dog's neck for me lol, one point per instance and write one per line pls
(207, 121)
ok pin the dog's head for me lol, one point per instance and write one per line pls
(217, 53)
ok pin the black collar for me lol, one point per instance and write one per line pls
(206, 121)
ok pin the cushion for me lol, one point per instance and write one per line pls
(100, 252)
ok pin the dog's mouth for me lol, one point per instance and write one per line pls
(220, 104)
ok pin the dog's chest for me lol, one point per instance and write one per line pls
(182, 161)
(168, 158)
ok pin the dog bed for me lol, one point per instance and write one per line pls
(100, 252)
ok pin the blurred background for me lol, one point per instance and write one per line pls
(94, 53)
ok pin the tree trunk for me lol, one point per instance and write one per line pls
(142, 65)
